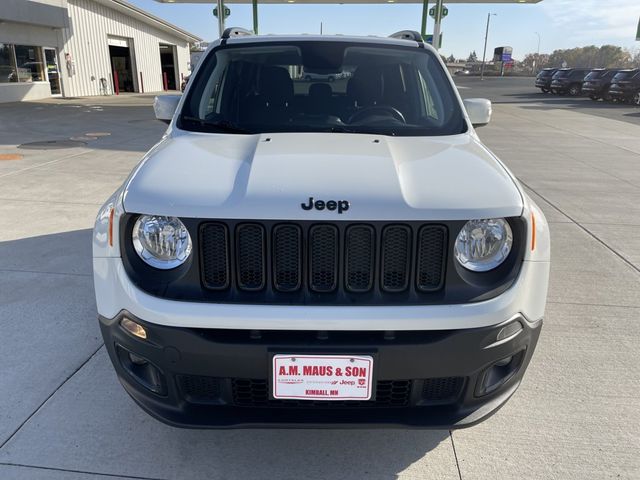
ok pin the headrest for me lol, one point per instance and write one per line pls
(366, 86)
(320, 90)
(275, 85)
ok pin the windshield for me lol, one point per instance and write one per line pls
(322, 87)
(546, 73)
(625, 75)
(595, 74)
(561, 73)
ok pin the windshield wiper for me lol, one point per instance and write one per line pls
(223, 125)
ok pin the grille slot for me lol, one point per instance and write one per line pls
(432, 251)
(360, 258)
(215, 256)
(200, 389)
(396, 255)
(440, 391)
(251, 256)
(323, 253)
(287, 257)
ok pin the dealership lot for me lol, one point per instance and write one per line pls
(64, 415)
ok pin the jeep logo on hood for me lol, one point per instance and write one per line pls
(340, 205)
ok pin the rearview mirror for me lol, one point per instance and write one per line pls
(479, 111)
(165, 106)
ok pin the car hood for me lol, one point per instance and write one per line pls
(270, 176)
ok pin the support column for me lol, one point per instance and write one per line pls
(220, 5)
(436, 26)
(425, 14)
(255, 17)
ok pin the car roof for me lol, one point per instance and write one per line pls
(374, 40)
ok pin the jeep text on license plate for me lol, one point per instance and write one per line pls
(322, 377)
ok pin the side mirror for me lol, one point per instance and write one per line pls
(479, 110)
(165, 106)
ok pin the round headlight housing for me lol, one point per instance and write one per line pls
(483, 245)
(162, 242)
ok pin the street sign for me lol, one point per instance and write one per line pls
(429, 39)
(432, 12)
(227, 12)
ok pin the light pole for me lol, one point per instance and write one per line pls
(486, 37)
(535, 60)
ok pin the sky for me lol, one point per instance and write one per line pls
(559, 23)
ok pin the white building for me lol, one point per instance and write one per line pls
(79, 48)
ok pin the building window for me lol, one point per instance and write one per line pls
(21, 63)
(7, 64)
(29, 63)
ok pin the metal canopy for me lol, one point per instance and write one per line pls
(363, 2)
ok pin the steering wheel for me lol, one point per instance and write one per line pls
(375, 110)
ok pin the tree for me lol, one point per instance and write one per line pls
(472, 57)
(451, 59)
(606, 56)
(534, 61)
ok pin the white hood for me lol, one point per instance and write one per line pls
(269, 176)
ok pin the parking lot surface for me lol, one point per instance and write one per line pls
(63, 414)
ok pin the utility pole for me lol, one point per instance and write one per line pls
(220, 6)
(535, 60)
(436, 25)
(320, 28)
(486, 37)
(425, 14)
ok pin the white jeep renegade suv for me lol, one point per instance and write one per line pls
(297, 253)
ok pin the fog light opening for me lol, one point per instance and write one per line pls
(142, 371)
(504, 362)
(136, 360)
(133, 328)
(499, 373)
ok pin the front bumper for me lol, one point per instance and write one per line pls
(622, 93)
(217, 378)
(541, 83)
(591, 89)
(559, 86)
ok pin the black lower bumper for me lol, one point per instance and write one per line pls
(203, 378)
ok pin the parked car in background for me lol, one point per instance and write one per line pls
(597, 82)
(543, 79)
(321, 77)
(625, 86)
(463, 72)
(568, 80)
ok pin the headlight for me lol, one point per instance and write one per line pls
(482, 245)
(162, 242)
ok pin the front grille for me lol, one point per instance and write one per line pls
(255, 393)
(312, 263)
(244, 392)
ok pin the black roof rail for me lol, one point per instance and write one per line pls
(235, 32)
(408, 35)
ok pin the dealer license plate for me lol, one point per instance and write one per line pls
(322, 377)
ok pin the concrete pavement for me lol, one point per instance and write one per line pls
(63, 414)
